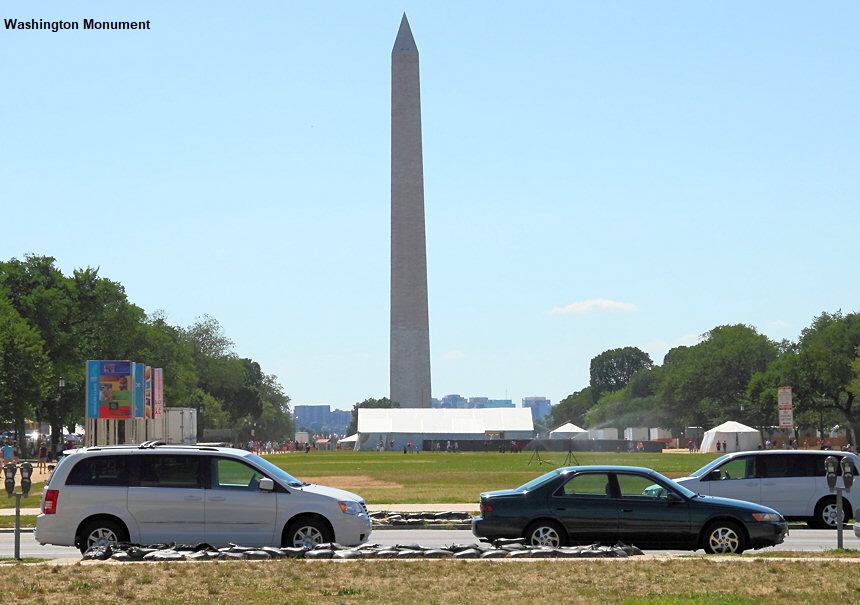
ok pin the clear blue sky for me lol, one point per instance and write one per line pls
(597, 175)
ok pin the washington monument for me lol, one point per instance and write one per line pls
(410, 330)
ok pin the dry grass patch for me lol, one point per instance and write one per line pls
(637, 580)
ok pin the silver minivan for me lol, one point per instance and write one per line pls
(792, 482)
(155, 493)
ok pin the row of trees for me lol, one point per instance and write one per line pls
(51, 324)
(733, 373)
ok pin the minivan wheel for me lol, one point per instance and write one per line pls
(546, 534)
(826, 513)
(724, 537)
(308, 532)
(101, 532)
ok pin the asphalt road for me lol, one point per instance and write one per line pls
(810, 540)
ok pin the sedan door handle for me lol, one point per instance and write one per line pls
(193, 498)
(217, 498)
(626, 510)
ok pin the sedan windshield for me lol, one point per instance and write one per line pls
(537, 482)
(274, 471)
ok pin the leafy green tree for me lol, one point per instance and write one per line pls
(636, 404)
(217, 365)
(161, 345)
(40, 294)
(384, 402)
(825, 367)
(103, 324)
(73, 319)
(707, 383)
(613, 369)
(573, 408)
(78, 318)
(25, 369)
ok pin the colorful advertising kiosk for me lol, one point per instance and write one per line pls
(124, 400)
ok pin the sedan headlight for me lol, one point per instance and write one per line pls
(351, 508)
(770, 517)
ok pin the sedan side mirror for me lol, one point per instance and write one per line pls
(714, 476)
(266, 485)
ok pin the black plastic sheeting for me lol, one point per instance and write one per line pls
(386, 519)
(498, 549)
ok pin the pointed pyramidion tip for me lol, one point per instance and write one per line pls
(404, 41)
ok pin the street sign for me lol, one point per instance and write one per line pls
(786, 411)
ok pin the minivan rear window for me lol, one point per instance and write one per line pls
(170, 470)
(110, 471)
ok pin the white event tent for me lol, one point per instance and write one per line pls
(568, 431)
(737, 437)
(382, 426)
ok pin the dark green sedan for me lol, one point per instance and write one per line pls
(634, 505)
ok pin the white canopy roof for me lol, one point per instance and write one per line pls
(730, 426)
(566, 429)
(424, 420)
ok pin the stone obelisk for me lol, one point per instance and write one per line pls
(410, 330)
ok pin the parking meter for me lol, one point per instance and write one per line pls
(26, 471)
(847, 473)
(10, 470)
(831, 469)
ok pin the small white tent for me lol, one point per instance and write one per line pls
(732, 437)
(567, 431)
(350, 441)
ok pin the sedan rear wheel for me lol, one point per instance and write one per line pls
(546, 534)
(724, 537)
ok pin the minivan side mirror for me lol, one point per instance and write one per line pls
(266, 485)
(713, 476)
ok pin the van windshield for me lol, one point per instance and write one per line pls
(709, 467)
(274, 471)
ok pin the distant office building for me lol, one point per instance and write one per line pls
(454, 402)
(457, 402)
(341, 417)
(540, 406)
(311, 414)
(321, 418)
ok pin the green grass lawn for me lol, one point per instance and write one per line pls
(8, 521)
(428, 477)
(34, 499)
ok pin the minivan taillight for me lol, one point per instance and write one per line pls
(51, 496)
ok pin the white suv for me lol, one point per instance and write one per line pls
(155, 493)
(791, 481)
